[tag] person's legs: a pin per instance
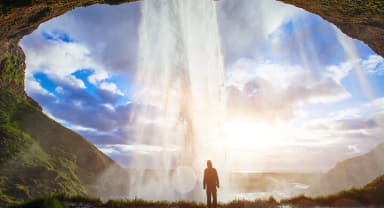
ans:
(209, 194)
(214, 194)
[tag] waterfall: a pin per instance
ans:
(181, 99)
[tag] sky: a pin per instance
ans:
(299, 91)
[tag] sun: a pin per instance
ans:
(250, 135)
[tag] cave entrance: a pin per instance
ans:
(295, 85)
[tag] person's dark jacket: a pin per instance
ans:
(211, 179)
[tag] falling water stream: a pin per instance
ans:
(181, 102)
(181, 92)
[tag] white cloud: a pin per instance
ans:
(82, 128)
(140, 148)
(349, 113)
(339, 72)
(281, 13)
(377, 104)
(111, 87)
(270, 84)
(109, 107)
(374, 64)
(58, 60)
(98, 76)
(108, 150)
(33, 87)
(109, 32)
(362, 118)
(353, 149)
(246, 25)
(62, 121)
(59, 90)
(322, 86)
(272, 90)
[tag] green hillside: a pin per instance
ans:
(370, 194)
(38, 156)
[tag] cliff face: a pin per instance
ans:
(12, 67)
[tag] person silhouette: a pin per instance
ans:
(210, 182)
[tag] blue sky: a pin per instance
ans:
(286, 69)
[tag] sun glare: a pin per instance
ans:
(250, 135)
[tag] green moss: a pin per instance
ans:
(52, 203)
(4, 118)
(23, 188)
(357, 7)
(10, 71)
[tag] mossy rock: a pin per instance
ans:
(10, 71)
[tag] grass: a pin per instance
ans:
(47, 202)
(93, 202)
(370, 195)
(84, 201)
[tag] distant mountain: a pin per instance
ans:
(355, 172)
(367, 196)
(38, 156)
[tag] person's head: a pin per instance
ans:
(209, 163)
